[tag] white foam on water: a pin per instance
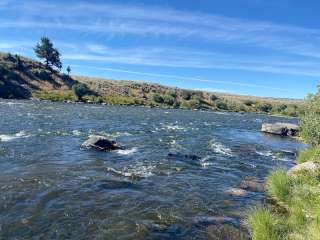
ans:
(205, 163)
(221, 113)
(134, 171)
(220, 148)
(175, 127)
(274, 156)
(265, 153)
(111, 135)
(11, 137)
(76, 132)
(127, 151)
(13, 103)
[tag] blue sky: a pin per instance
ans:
(257, 47)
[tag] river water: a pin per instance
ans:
(175, 170)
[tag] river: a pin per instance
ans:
(176, 168)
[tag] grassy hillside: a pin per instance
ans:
(158, 95)
(21, 77)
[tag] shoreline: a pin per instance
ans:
(148, 106)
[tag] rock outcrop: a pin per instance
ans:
(100, 143)
(281, 129)
(307, 166)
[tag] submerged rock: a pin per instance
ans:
(252, 184)
(307, 166)
(100, 143)
(184, 156)
(226, 232)
(215, 220)
(281, 129)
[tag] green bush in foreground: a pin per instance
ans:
(265, 225)
(298, 208)
(278, 185)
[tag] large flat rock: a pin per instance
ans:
(281, 129)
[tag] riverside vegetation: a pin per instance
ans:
(294, 213)
(22, 78)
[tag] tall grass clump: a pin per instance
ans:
(309, 154)
(265, 225)
(278, 185)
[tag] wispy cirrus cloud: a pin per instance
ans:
(178, 58)
(110, 18)
(188, 58)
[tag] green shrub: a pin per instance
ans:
(123, 100)
(310, 121)
(278, 185)
(264, 107)
(93, 99)
(265, 225)
(248, 102)
(55, 95)
(213, 98)
(158, 98)
(172, 93)
(197, 95)
(281, 107)
(192, 104)
(309, 154)
(169, 100)
(80, 90)
(186, 95)
(221, 105)
(176, 104)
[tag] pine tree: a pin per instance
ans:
(45, 50)
(68, 70)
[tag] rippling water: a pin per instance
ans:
(50, 189)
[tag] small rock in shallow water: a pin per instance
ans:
(225, 232)
(215, 220)
(100, 143)
(252, 184)
(236, 192)
(184, 156)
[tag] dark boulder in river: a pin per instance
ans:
(282, 129)
(100, 143)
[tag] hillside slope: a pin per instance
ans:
(20, 77)
(24, 78)
(146, 93)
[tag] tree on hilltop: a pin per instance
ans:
(45, 50)
(68, 70)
